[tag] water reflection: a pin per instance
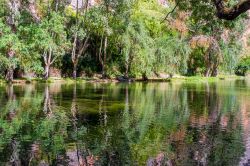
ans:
(125, 124)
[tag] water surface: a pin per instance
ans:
(125, 124)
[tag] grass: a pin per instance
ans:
(2, 81)
(197, 79)
(191, 79)
(194, 79)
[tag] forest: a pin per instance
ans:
(123, 38)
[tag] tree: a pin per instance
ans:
(150, 46)
(213, 29)
(211, 53)
(80, 35)
(50, 39)
(9, 50)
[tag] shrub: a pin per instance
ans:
(243, 67)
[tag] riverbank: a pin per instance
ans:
(191, 79)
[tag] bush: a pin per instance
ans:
(243, 67)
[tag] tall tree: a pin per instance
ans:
(51, 40)
(80, 35)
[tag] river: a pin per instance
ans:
(173, 123)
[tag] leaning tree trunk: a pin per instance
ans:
(76, 53)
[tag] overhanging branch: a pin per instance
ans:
(231, 13)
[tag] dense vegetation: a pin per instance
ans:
(243, 67)
(130, 38)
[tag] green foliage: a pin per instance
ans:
(243, 67)
(9, 44)
(51, 34)
(203, 21)
(149, 45)
(139, 42)
(196, 64)
(231, 52)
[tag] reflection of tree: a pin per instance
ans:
(103, 140)
(245, 114)
(156, 123)
(74, 107)
(102, 109)
(47, 108)
(52, 130)
(34, 153)
(12, 105)
(15, 121)
(213, 132)
(29, 138)
(76, 157)
(14, 160)
(156, 111)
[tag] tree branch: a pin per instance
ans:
(171, 11)
(84, 47)
(231, 13)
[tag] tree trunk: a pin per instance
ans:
(48, 61)
(74, 70)
(46, 75)
(214, 72)
(127, 70)
(10, 71)
(74, 56)
(144, 77)
(57, 5)
(9, 75)
(100, 53)
(128, 64)
(104, 58)
(207, 72)
(77, 52)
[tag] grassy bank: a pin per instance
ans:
(192, 79)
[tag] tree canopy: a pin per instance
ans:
(130, 38)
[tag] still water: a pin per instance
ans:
(125, 124)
